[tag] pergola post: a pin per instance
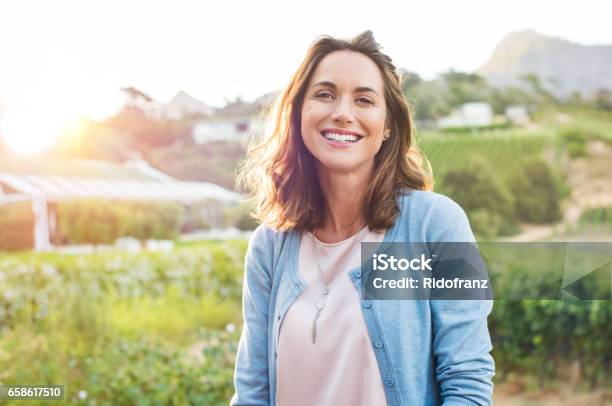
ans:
(41, 224)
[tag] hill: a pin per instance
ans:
(562, 66)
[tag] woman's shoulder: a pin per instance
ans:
(267, 241)
(264, 236)
(422, 200)
(437, 216)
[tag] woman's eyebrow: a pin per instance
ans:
(357, 89)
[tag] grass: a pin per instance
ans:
(593, 123)
(172, 318)
(120, 327)
(505, 150)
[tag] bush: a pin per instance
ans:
(487, 202)
(122, 327)
(246, 222)
(240, 217)
(195, 218)
(117, 326)
(596, 219)
(485, 223)
(536, 195)
(16, 226)
(204, 214)
(101, 222)
(575, 141)
(142, 372)
(476, 129)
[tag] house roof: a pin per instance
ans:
(67, 180)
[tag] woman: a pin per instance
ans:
(339, 168)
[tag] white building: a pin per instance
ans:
(475, 114)
(233, 122)
(517, 114)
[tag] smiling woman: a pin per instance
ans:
(340, 167)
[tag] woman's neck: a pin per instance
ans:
(344, 195)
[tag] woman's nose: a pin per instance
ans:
(343, 111)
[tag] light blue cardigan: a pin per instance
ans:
(428, 352)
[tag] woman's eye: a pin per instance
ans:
(323, 95)
(364, 100)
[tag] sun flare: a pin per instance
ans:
(30, 129)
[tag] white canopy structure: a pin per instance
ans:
(53, 182)
(58, 188)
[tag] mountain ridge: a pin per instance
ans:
(564, 67)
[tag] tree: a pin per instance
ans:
(409, 80)
(535, 84)
(603, 99)
(536, 193)
(487, 202)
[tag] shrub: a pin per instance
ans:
(597, 215)
(536, 195)
(239, 217)
(196, 217)
(485, 223)
(246, 222)
(486, 200)
(16, 226)
(122, 327)
(100, 221)
(476, 129)
(575, 141)
(89, 221)
(204, 214)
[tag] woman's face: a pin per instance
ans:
(344, 111)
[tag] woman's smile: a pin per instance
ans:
(340, 138)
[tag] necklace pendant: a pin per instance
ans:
(314, 327)
(321, 303)
(325, 290)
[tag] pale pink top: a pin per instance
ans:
(340, 368)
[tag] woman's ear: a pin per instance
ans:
(386, 134)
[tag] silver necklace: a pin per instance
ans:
(326, 288)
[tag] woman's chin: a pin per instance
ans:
(340, 165)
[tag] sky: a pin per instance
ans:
(75, 55)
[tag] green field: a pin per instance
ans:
(162, 328)
(142, 329)
(592, 123)
(505, 150)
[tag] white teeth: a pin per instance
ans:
(341, 137)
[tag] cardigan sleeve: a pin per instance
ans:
(461, 343)
(251, 380)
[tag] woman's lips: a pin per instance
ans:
(341, 144)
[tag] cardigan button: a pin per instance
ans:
(367, 304)
(378, 344)
(389, 382)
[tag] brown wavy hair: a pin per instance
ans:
(279, 172)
